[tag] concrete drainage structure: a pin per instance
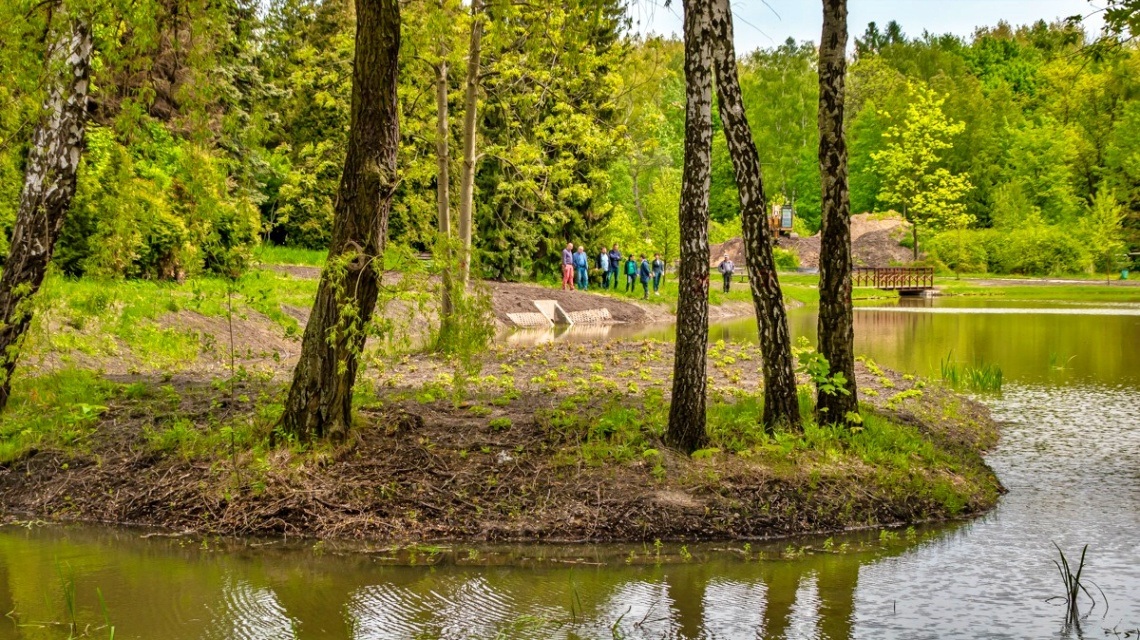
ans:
(552, 313)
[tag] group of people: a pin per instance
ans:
(576, 270)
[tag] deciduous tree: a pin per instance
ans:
(836, 324)
(49, 185)
(319, 404)
(781, 401)
(687, 419)
(910, 165)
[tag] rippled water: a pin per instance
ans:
(1070, 456)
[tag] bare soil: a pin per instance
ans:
(423, 467)
(874, 243)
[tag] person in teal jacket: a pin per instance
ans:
(630, 273)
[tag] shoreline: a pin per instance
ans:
(539, 459)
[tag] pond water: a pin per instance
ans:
(1070, 457)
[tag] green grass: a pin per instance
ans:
(894, 457)
(273, 254)
(113, 318)
(55, 411)
(1092, 291)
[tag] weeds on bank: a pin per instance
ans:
(98, 318)
(983, 378)
(56, 411)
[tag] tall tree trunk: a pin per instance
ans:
(470, 105)
(686, 429)
(836, 330)
(319, 404)
(914, 240)
(49, 185)
(443, 192)
(781, 401)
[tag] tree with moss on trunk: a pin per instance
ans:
(319, 404)
(49, 185)
(837, 400)
(687, 419)
(781, 401)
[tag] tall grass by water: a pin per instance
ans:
(980, 378)
(1074, 583)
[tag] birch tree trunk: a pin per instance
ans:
(319, 404)
(836, 330)
(443, 191)
(470, 105)
(781, 401)
(686, 430)
(49, 185)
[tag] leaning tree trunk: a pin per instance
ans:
(470, 105)
(443, 193)
(319, 404)
(686, 429)
(781, 401)
(49, 185)
(836, 331)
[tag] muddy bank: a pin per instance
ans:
(553, 443)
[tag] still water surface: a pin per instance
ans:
(1070, 456)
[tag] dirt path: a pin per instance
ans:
(1037, 282)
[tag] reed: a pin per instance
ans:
(1074, 584)
(981, 378)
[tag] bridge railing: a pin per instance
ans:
(894, 277)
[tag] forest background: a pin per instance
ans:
(220, 127)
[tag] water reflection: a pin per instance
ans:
(178, 589)
(1070, 456)
(1030, 341)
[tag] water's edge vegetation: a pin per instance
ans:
(552, 442)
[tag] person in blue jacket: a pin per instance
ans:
(658, 273)
(615, 265)
(582, 268)
(643, 272)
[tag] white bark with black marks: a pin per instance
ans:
(781, 402)
(836, 326)
(49, 186)
(687, 419)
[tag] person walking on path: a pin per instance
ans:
(568, 267)
(615, 265)
(658, 273)
(630, 273)
(582, 266)
(604, 265)
(643, 272)
(726, 269)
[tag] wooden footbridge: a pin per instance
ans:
(905, 280)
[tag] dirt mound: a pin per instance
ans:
(879, 249)
(874, 243)
(516, 297)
